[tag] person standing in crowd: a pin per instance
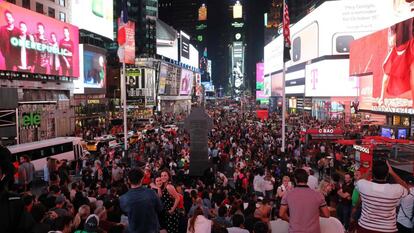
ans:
(258, 183)
(8, 51)
(42, 57)
(405, 215)
(302, 206)
(238, 224)
(26, 173)
(312, 180)
(284, 187)
(344, 207)
(170, 199)
(141, 205)
(379, 192)
(198, 223)
(66, 60)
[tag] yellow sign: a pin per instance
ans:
(93, 101)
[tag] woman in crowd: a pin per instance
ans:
(170, 199)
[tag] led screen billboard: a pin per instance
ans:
(238, 64)
(87, 14)
(34, 43)
(329, 78)
(93, 66)
(185, 46)
(387, 55)
(186, 83)
(277, 84)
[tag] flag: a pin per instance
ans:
(286, 32)
(123, 19)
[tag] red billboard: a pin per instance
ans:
(34, 43)
(384, 61)
(126, 41)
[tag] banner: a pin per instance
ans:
(186, 82)
(126, 36)
(34, 43)
(163, 79)
(385, 59)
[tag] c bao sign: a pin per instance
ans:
(31, 120)
(326, 131)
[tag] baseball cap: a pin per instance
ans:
(92, 223)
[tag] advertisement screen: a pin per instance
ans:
(172, 80)
(387, 132)
(87, 14)
(93, 66)
(185, 45)
(277, 84)
(238, 64)
(267, 86)
(186, 82)
(34, 43)
(259, 72)
(202, 13)
(402, 133)
(330, 78)
(163, 79)
(388, 55)
(193, 59)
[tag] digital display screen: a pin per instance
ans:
(34, 43)
(402, 133)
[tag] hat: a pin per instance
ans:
(92, 223)
(60, 199)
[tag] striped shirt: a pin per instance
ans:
(379, 202)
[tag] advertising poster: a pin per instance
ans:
(276, 84)
(92, 78)
(126, 37)
(387, 55)
(34, 43)
(186, 82)
(199, 87)
(267, 87)
(133, 85)
(163, 79)
(259, 76)
(185, 45)
(238, 64)
(329, 78)
(87, 14)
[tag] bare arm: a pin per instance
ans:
(283, 213)
(324, 212)
(171, 190)
(397, 178)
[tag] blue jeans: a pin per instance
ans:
(343, 211)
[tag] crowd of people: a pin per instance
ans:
(251, 186)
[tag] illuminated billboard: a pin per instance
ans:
(93, 76)
(193, 59)
(202, 13)
(331, 27)
(88, 14)
(277, 84)
(34, 43)
(329, 78)
(237, 10)
(384, 60)
(186, 83)
(185, 45)
(238, 64)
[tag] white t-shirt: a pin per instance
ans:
(379, 202)
(237, 230)
(406, 209)
(313, 182)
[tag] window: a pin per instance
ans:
(51, 12)
(26, 4)
(62, 16)
(62, 2)
(39, 8)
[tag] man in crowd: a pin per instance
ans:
(380, 199)
(405, 215)
(304, 206)
(345, 203)
(142, 205)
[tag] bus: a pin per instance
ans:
(68, 148)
